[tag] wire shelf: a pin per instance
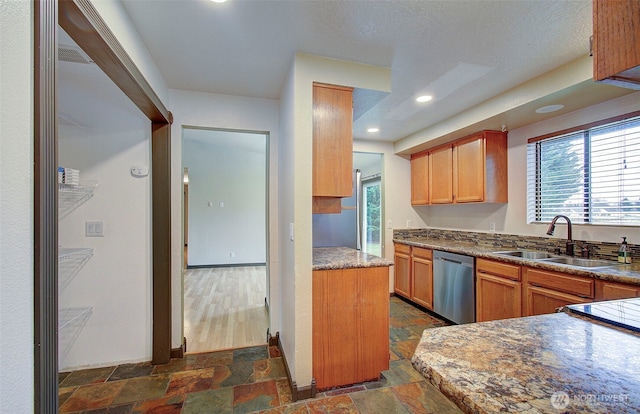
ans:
(70, 261)
(70, 323)
(71, 197)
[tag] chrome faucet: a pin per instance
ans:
(552, 227)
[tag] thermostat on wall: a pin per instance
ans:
(139, 171)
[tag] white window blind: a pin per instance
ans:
(591, 176)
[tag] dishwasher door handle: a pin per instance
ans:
(444, 259)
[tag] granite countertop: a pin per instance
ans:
(622, 273)
(540, 364)
(333, 258)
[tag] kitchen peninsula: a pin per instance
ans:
(350, 316)
(541, 364)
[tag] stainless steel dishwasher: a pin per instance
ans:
(454, 287)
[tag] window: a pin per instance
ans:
(591, 175)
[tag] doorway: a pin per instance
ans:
(225, 228)
(372, 205)
(370, 165)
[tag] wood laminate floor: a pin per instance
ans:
(224, 308)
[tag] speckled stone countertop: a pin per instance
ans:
(332, 258)
(622, 273)
(553, 363)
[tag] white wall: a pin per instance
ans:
(226, 112)
(229, 168)
(396, 193)
(511, 218)
(118, 21)
(116, 282)
(16, 208)
(296, 170)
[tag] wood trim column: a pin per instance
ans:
(45, 206)
(161, 222)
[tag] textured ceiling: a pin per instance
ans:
(463, 52)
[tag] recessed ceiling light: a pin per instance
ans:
(424, 98)
(373, 129)
(549, 108)
(219, 1)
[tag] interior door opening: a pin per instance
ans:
(226, 238)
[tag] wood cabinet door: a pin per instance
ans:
(441, 175)
(332, 140)
(541, 301)
(606, 290)
(616, 50)
(469, 170)
(420, 179)
(497, 298)
(350, 325)
(402, 274)
(422, 280)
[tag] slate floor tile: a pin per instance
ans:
(341, 404)
(297, 408)
(255, 397)
(232, 375)
(382, 400)
(252, 353)
(127, 371)
(143, 388)
(209, 359)
(190, 381)
(64, 393)
(284, 391)
(422, 397)
(166, 405)
(92, 396)
(87, 376)
(272, 368)
(219, 401)
(401, 372)
(115, 409)
(405, 349)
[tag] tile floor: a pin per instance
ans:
(253, 380)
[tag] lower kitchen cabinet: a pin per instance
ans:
(402, 270)
(606, 290)
(545, 291)
(422, 276)
(498, 291)
(413, 274)
(350, 325)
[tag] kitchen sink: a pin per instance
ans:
(579, 262)
(528, 254)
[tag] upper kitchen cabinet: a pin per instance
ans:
(332, 146)
(441, 175)
(470, 170)
(616, 42)
(420, 179)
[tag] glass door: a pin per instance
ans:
(372, 237)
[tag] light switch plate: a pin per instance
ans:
(93, 229)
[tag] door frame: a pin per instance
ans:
(267, 137)
(87, 28)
